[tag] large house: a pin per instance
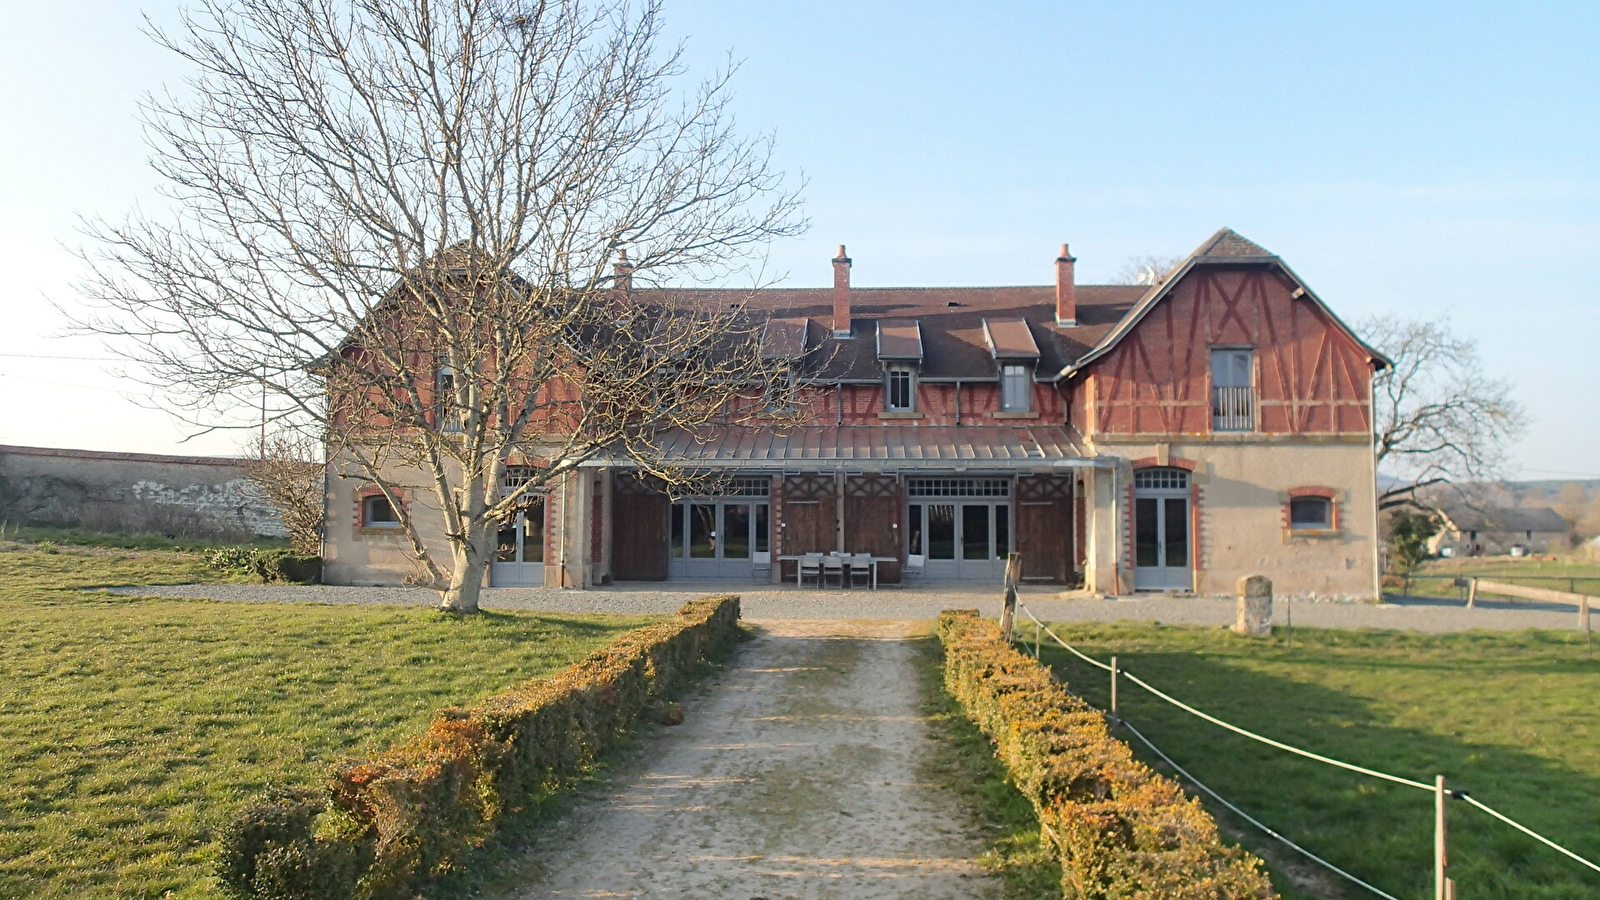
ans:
(1164, 437)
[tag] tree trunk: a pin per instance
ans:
(469, 558)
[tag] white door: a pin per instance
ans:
(961, 540)
(1162, 545)
(519, 551)
(712, 538)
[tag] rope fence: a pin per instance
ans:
(1445, 887)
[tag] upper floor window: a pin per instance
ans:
(1016, 388)
(1233, 406)
(902, 389)
(445, 415)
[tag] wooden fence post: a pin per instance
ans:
(1472, 592)
(1114, 672)
(1441, 856)
(1008, 611)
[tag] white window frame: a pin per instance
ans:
(446, 417)
(1233, 406)
(910, 373)
(1016, 387)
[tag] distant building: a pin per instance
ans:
(1497, 531)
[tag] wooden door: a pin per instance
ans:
(638, 532)
(809, 524)
(872, 520)
(1044, 528)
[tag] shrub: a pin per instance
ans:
(386, 823)
(271, 566)
(47, 547)
(1121, 830)
(231, 559)
(286, 567)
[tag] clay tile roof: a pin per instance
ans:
(1010, 339)
(900, 340)
(1227, 243)
(783, 338)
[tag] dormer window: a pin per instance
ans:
(901, 395)
(1016, 388)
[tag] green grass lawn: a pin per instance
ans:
(1436, 577)
(1510, 717)
(131, 729)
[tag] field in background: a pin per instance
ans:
(131, 729)
(1436, 577)
(1510, 717)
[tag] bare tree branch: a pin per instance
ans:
(401, 220)
(1439, 420)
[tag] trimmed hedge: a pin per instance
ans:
(386, 823)
(1119, 829)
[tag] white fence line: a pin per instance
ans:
(1254, 821)
(1460, 795)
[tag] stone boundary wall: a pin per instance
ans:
(187, 496)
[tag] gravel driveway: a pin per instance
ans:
(793, 776)
(1405, 613)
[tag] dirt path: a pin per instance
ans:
(793, 777)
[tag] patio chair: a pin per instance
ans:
(912, 568)
(761, 566)
(833, 568)
(810, 566)
(861, 570)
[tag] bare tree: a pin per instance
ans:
(406, 221)
(1145, 269)
(286, 467)
(1439, 420)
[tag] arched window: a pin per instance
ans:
(1311, 513)
(378, 512)
(1312, 509)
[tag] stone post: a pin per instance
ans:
(1254, 612)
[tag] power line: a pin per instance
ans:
(76, 358)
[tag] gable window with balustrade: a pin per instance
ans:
(1233, 401)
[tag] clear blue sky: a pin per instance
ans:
(1432, 159)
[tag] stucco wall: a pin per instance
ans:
(1243, 489)
(357, 555)
(191, 496)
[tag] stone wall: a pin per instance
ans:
(188, 496)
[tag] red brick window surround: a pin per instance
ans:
(375, 511)
(1311, 509)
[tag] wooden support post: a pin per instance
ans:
(1441, 858)
(1583, 622)
(1114, 672)
(1038, 632)
(1288, 624)
(1472, 592)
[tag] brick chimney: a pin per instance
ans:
(1066, 290)
(622, 273)
(841, 294)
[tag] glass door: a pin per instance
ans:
(964, 540)
(519, 550)
(712, 539)
(1161, 540)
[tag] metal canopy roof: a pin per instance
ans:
(876, 447)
